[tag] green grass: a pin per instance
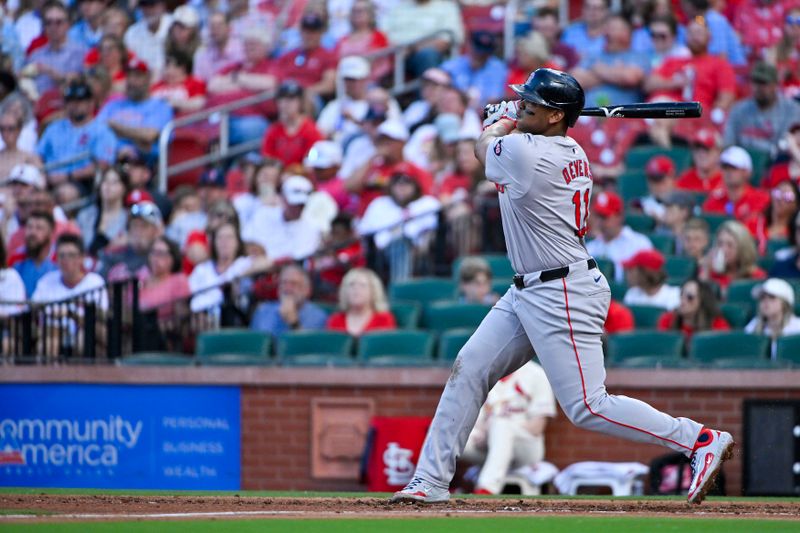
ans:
(549, 524)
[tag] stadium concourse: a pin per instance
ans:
(293, 184)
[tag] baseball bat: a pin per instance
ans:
(647, 110)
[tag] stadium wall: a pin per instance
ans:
(284, 412)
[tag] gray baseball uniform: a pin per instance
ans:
(545, 186)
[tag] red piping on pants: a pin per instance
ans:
(583, 384)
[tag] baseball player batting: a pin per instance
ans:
(559, 300)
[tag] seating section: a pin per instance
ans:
(439, 316)
(637, 157)
(156, 359)
(396, 348)
(318, 343)
(423, 290)
(733, 348)
(219, 347)
(788, 350)
(646, 316)
(450, 342)
(406, 314)
(647, 348)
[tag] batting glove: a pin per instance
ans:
(494, 113)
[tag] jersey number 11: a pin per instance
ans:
(581, 214)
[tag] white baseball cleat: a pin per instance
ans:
(419, 490)
(711, 450)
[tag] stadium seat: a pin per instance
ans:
(396, 348)
(663, 243)
(438, 316)
(423, 290)
(233, 341)
(406, 314)
(708, 346)
(501, 286)
(314, 343)
(328, 307)
(741, 292)
(319, 360)
(451, 341)
(640, 222)
(234, 359)
(654, 361)
(632, 185)
(646, 316)
(156, 359)
(656, 346)
(680, 268)
(761, 161)
(765, 263)
(746, 363)
(606, 266)
(498, 263)
(773, 245)
(638, 156)
(618, 290)
(714, 221)
(736, 314)
(788, 350)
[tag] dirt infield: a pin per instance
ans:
(50, 507)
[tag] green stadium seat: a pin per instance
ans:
(708, 346)
(680, 268)
(663, 243)
(788, 350)
(736, 314)
(328, 307)
(740, 292)
(156, 359)
(656, 346)
(314, 343)
(638, 156)
(498, 263)
(640, 222)
(714, 221)
(765, 263)
(396, 348)
(618, 289)
(406, 314)
(646, 316)
(241, 341)
(699, 197)
(319, 360)
(235, 359)
(501, 286)
(654, 361)
(423, 290)
(606, 266)
(736, 363)
(773, 245)
(632, 185)
(439, 316)
(761, 161)
(451, 341)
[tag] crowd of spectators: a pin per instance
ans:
(86, 88)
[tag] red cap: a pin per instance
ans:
(647, 259)
(706, 137)
(136, 196)
(137, 65)
(659, 165)
(607, 204)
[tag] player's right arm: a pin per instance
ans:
(500, 128)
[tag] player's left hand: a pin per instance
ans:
(493, 113)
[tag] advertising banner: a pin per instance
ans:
(120, 436)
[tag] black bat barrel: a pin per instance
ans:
(647, 110)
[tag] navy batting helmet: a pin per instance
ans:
(555, 89)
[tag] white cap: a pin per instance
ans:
(187, 16)
(296, 190)
(27, 174)
(324, 154)
(777, 288)
(354, 67)
(394, 129)
(736, 157)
